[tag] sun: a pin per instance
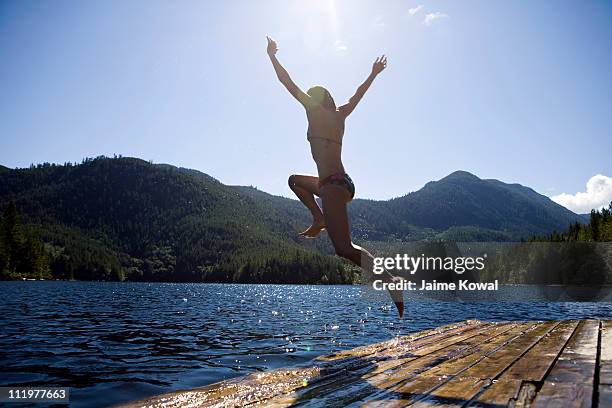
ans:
(322, 17)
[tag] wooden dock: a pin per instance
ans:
(471, 363)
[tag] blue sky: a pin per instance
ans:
(518, 91)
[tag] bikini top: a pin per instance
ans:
(309, 138)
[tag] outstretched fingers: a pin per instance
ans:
(379, 64)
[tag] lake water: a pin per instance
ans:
(115, 342)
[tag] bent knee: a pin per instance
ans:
(292, 180)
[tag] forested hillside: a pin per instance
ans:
(582, 254)
(116, 219)
(125, 218)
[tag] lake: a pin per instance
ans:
(115, 342)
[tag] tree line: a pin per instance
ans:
(22, 253)
(598, 229)
(59, 252)
(578, 256)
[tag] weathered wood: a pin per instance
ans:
(534, 365)
(470, 363)
(469, 382)
(353, 387)
(494, 364)
(413, 340)
(405, 393)
(237, 392)
(455, 366)
(564, 395)
(456, 392)
(605, 368)
(500, 392)
(412, 389)
(576, 364)
(390, 384)
(572, 376)
(605, 395)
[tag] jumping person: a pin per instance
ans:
(333, 185)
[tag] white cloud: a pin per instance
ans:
(340, 45)
(431, 17)
(416, 9)
(598, 194)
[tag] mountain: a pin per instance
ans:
(461, 201)
(127, 218)
(116, 218)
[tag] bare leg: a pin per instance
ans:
(336, 220)
(305, 188)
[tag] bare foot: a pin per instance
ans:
(398, 295)
(400, 309)
(314, 230)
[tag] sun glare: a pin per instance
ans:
(322, 27)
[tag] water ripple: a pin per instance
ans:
(113, 342)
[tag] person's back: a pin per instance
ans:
(325, 132)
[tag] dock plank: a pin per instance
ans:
(471, 363)
(414, 341)
(534, 365)
(564, 395)
(494, 364)
(412, 389)
(456, 392)
(455, 366)
(499, 393)
(395, 386)
(605, 369)
(576, 363)
(464, 386)
(572, 376)
(605, 395)
(354, 387)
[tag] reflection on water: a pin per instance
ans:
(114, 342)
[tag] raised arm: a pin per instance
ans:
(379, 65)
(283, 76)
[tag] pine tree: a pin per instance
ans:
(595, 224)
(3, 254)
(12, 236)
(33, 260)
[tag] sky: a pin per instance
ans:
(517, 91)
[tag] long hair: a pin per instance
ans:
(322, 96)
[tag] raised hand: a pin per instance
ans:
(272, 47)
(379, 65)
